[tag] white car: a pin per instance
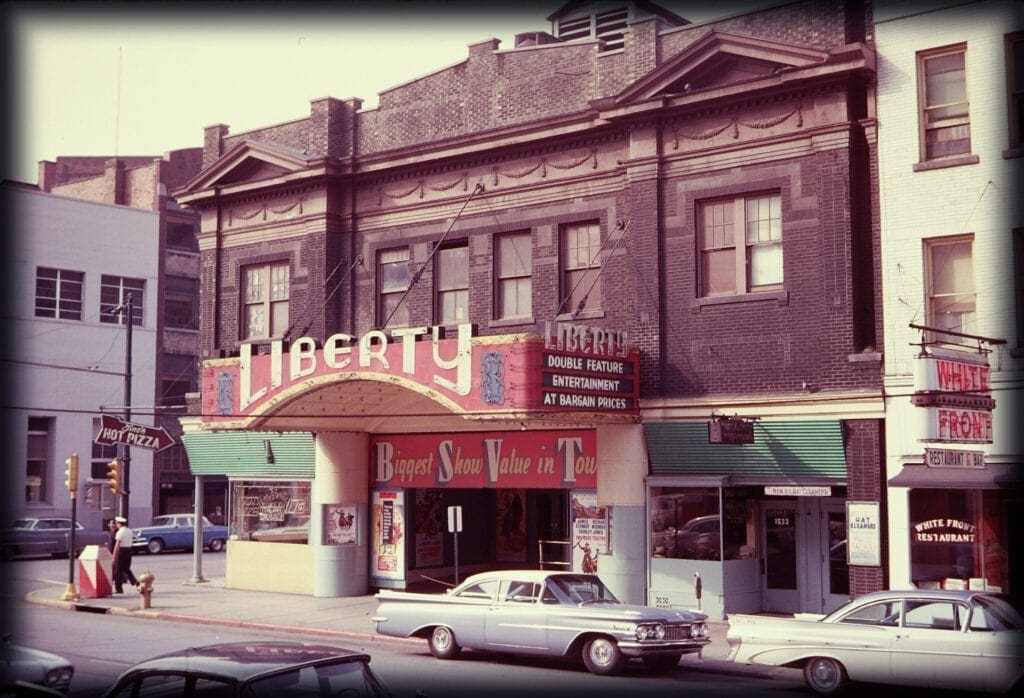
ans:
(23, 667)
(961, 640)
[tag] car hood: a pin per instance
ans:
(16, 654)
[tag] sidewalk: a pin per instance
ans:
(345, 618)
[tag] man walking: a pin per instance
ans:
(123, 555)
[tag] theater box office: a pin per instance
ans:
(353, 449)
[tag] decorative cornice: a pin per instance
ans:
(735, 122)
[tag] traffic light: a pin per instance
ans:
(114, 475)
(72, 472)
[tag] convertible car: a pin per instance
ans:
(546, 613)
(961, 640)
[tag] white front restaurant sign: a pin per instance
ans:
(954, 388)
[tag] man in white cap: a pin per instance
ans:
(123, 555)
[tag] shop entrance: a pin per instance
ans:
(803, 563)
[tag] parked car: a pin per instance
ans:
(23, 665)
(46, 536)
(177, 531)
(253, 670)
(961, 640)
(541, 612)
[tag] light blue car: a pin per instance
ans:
(177, 531)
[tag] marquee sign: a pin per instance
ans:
(572, 368)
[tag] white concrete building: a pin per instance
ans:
(952, 245)
(63, 350)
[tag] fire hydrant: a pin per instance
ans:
(145, 587)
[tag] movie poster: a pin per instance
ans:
(430, 526)
(339, 524)
(388, 534)
(589, 531)
(512, 525)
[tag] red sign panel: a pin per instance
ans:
(114, 430)
(507, 459)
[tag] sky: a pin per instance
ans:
(144, 79)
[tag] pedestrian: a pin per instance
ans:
(123, 555)
(111, 535)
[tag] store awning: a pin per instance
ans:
(250, 454)
(790, 451)
(991, 477)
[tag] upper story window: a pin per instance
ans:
(949, 278)
(942, 91)
(59, 293)
(392, 283)
(265, 291)
(181, 302)
(37, 466)
(451, 279)
(1015, 87)
(114, 292)
(101, 455)
(609, 26)
(181, 236)
(581, 268)
(741, 245)
(513, 273)
(178, 378)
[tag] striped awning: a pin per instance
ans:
(250, 454)
(784, 450)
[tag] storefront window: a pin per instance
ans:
(269, 511)
(739, 532)
(685, 523)
(956, 539)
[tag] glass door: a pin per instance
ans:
(779, 559)
(836, 575)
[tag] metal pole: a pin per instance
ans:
(456, 558)
(197, 537)
(123, 506)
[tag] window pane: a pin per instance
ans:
(765, 265)
(453, 269)
(514, 256)
(581, 280)
(253, 285)
(279, 276)
(719, 272)
(514, 267)
(255, 321)
(279, 318)
(951, 301)
(945, 80)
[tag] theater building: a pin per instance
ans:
(609, 298)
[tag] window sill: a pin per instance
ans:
(942, 163)
(1011, 153)
(585, 315)
(782, 297)
(511, 322)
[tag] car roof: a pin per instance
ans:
(520, 575)
(242, 661)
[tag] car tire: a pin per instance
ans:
(825, 676)
(602, 656)
(216, 545)
(442, 643)
(662, 662)
(155, 546)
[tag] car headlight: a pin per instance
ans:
(59, 676)
(699, 630)
(650, 631)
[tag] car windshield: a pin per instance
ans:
(583, 589)
(338, 679)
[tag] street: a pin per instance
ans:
(101, 646)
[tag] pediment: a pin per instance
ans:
(717, 60)
(249, 162)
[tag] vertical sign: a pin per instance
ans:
(863, 534)
(388, 535)
(589, 531)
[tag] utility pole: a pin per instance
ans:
(126, 458)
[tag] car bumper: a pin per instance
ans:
(634, 648)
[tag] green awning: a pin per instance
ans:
(784, 450)
(250, 454)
